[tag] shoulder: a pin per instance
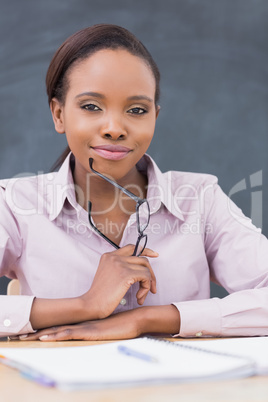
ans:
(178, 178)
(196, 180)
(25, 192)
(183, 193)
(28, 183)
(191, 193)
(189, 185)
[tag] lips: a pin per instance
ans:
(112, 152)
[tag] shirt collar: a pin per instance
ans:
(63, 188)
(159, 188)
(160, 191)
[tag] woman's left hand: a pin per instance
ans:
(118, 326)
(126, 325)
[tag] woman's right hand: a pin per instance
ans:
(117, 271)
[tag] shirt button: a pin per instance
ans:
(7, 323)
(198, 334)
(123, 302)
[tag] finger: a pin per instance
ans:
(49, 334)
(14, 338)
(141, 300)
(153, 278)
(29, 337)
(129, 250)
(82, 331)
(137, 264)
(142, 275)
(35, 336)
(60, 335)
(141, 297)
(147, 252)
(146, 263)
(143, 291)
(125, 250)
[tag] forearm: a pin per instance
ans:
(50, 312)
(159, 319)
(125, 325)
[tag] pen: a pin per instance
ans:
(131, 352)
(27, 373)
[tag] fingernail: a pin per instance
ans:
(23, 337)
(43, 337)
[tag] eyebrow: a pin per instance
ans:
(94, 94)
(140, 97)
(100, 96)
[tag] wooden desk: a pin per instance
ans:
(15, 388)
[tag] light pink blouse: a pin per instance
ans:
(200, 235)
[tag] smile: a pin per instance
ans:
(112, 152)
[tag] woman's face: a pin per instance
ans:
(109, 112)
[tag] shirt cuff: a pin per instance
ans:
(199, 318)
(15, 315)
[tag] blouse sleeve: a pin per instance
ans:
(14, 310)
(237, 254)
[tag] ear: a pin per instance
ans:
(56, 108)
(157, 111)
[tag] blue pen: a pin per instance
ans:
(134, 353)
(28, 373)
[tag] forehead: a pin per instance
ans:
(108, 71)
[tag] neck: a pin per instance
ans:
(103, 195)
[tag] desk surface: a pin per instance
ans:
(15, 388)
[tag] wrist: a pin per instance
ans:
(159, 319)
(87, 308)
(53, 312)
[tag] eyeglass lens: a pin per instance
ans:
(143, 216)
(140, 245)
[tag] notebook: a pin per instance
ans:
(132, 362)
(254, 348)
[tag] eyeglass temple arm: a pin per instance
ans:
(127, 192)
(96, 229)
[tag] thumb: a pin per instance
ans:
(147, 252)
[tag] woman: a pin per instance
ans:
(74, 239)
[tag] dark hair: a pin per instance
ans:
(83, 44)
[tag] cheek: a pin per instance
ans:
(147, 132)
(79, 130)
(76, 125)
(145, 140)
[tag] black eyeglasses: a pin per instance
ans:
(142, 215)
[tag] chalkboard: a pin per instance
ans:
(213, 57)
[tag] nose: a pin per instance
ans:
(113, 128)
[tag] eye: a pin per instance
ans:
(137, 110)
(91, 107)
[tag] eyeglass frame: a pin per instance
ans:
(139, 202)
